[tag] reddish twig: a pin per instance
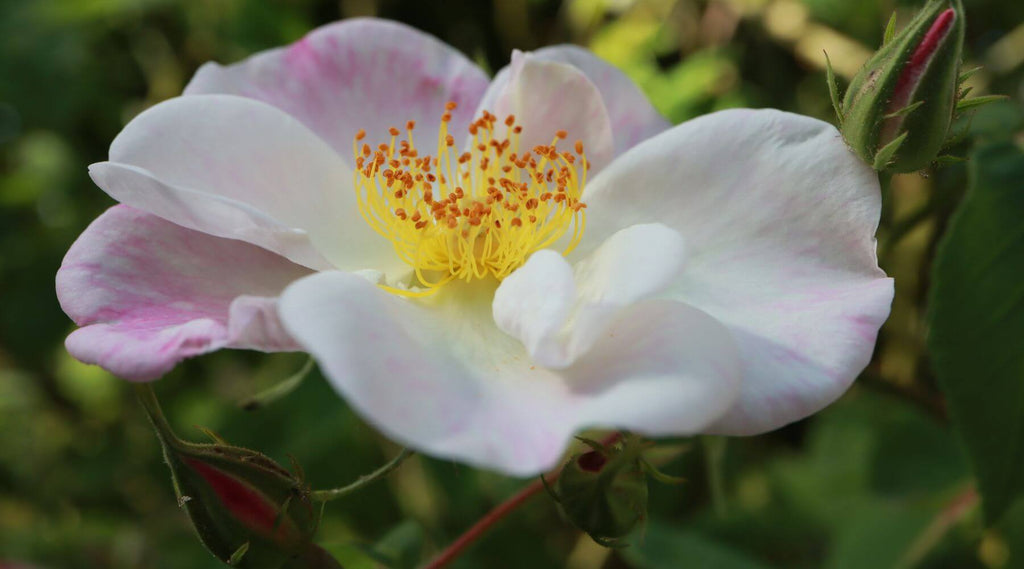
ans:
(961, 505)
(458, 546)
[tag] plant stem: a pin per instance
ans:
(904, 226)
(714, 448)
(362, 481)
(481, 526)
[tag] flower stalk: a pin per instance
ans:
(459, 546)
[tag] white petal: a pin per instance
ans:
(558, 312)
(357, 74)
(779, 220)
(440, 376)
(239, 150)
(533, 303)
(548, 96)
(633, 117)
(661, 368)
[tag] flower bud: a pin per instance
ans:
(248, 510)
(898, 109)
(604, 491)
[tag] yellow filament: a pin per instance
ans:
(477, 214)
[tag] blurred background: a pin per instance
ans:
(877, 480)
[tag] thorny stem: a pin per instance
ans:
(499, 512)
(362, 481)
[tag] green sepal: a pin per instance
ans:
(658, 475)
(833, 90)
(967, 104)
(210, 434)
(967, 74)
(236, 557)
(885, 156)
(890, 29)
(947, 159)
(905, 110)
(280, 389)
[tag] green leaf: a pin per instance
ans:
(878, 536)
(666, 546)
(977, 323)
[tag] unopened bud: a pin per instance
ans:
(248, 510)
(897, 112)
(604, 491)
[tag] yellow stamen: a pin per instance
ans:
(471, 215)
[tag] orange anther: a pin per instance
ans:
(562, 134)
(450, 106)
(394, 131)
(360, 134)
(579, 147)
(410, 125)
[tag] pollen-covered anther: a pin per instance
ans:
(475, 214)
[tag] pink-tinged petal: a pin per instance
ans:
(148, 293)
(548, 96)
(560, 311)
(357, 74)
(779, 220)
(633, 117)
(439, 376)
(209, 213)
(194, 160)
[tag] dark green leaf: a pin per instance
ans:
(664, 546)
(977, 324)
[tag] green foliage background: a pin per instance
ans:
(880, 479)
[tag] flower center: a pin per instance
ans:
(475, 214)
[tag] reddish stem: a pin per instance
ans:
(494, 516)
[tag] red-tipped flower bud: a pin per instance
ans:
(898, 109)
(248, 510)
(604, 491)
